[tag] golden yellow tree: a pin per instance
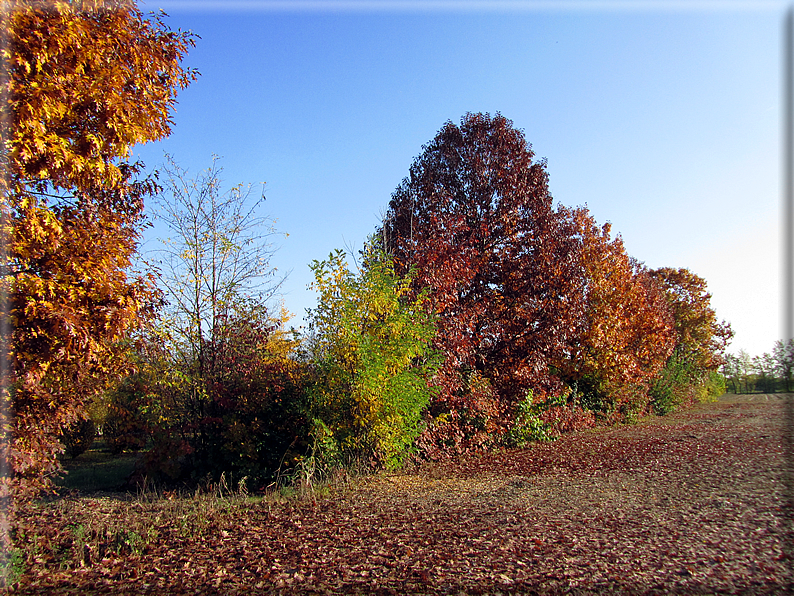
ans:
(84, 82)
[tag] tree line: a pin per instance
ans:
(479, 314)
(768, 373)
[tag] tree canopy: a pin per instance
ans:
(700, 338)
(476, 219)
(627, 335)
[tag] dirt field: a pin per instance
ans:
(692, 503)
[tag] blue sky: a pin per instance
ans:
(664, 120)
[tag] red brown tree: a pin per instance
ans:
(477, 220)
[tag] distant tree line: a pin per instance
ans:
(479, 315)
(767, 373)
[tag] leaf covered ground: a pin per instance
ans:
(695, 503)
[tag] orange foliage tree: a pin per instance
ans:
(700, 340)
(85, 81)
(628, 333)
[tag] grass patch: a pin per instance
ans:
(97, 469)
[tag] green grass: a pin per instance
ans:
(97, 469)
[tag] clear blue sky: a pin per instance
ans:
(665, 121)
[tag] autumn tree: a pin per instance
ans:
(476, 220)
(783, 354)
(216, 256)
(628, 332)
(699, 336)
(700, 339)
(220, 342)
(85, 82)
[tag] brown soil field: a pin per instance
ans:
(697, 502)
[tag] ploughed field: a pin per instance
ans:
(694, 503)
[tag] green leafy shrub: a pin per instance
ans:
(78, 437)
(713, 386)
(682, 382)
(372, 359)
(607, 403)
(125, 427)
(529, 426)
(593, 395)
(669, 389)
(12, 566)
(323, 458)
